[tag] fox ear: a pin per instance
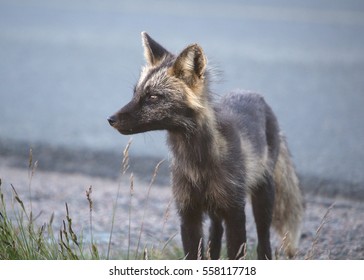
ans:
(153, 52)
(190, 65)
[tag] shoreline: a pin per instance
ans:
(108, 164)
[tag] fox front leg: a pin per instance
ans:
(192, 232)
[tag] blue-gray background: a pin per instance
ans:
(65, 66)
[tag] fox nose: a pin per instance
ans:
(111, 120)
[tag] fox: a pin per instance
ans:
(224, 152)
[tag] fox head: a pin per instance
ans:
(170, 92)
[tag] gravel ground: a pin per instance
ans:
(339, 222)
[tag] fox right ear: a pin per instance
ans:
(190, 65)
(153, 52)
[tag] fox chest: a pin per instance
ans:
(211, 191)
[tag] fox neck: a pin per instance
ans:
(201, 147)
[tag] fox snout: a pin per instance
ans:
(123, 120)
(120, 123)
(123, 127)
(112, 120)
(117, 121)
(128, 120)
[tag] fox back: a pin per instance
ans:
(222, 152)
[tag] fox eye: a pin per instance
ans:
(152, 97)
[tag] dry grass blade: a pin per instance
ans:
(145, 255)
(146, 204)
(94, 251)
(90, 205)
(311, 253)
(200, 250)
(125, 166)
(64, 244)
(88, 196)
(168, 241)
(32, 166)
(130, 207)
(281, 251)
(208, 251)
(165, 220)
(70, 229)
(17, 198)
(243, 249)
(125, 162)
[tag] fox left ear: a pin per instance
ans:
(190, 65)
(153, 52)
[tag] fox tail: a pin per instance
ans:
(288, 208)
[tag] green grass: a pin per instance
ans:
(24, 237)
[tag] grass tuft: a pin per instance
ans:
(23, 237)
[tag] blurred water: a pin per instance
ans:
(65, 66)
